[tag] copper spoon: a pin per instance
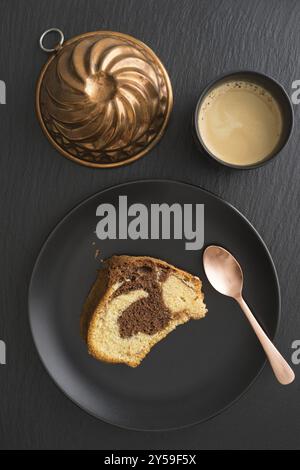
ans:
(226, 276)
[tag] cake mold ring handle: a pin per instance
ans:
(58, 44)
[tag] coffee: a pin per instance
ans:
(240, 122)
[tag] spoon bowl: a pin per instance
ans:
(223, 271)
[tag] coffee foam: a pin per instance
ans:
(240, 122)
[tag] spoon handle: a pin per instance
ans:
(282, 370)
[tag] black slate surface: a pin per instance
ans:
(196, 40)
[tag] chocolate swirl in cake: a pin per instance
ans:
(147, 315)
(104, 97)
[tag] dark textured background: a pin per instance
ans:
(196, 40)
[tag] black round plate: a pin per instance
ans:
(199, 369)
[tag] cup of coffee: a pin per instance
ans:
(243, 119)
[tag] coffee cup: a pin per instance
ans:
(243, 119)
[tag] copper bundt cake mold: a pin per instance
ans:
(104, 99)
